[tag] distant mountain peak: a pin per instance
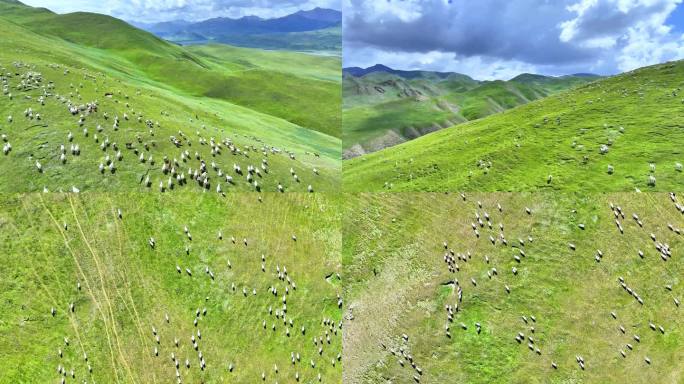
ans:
(380, 67)
(585, 75)
(248, 17)
(358, 71)
(218, 27)
(320, 12)
(408, 74)
(528, 77)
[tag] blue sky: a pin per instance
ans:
(498, 39)
(150, 11)
(676, 20)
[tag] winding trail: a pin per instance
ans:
(104, 290)
(87, 284)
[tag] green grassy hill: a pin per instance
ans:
(382, 109)
(62, 249)
(176, 67)
(104, 32)
(304, 88)
(615, 134)
(398, 286)
(162, 89)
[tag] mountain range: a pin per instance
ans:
(360, 72)
(315, 29)
(383, 107)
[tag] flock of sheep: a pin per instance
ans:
(124, 140)
(468, 271)
(124, 136)
(588, 139)
(182, 352)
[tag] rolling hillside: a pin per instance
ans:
(445, 289)
(145, 108)
(304, 89)
(383, 107)
(136, 288)
(615, 134)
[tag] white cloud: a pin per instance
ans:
(478, 67)
(647, 45)
(404, 10)
(636, 30)
(72, 6)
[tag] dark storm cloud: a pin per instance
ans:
(554, 36)
(524, 30)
